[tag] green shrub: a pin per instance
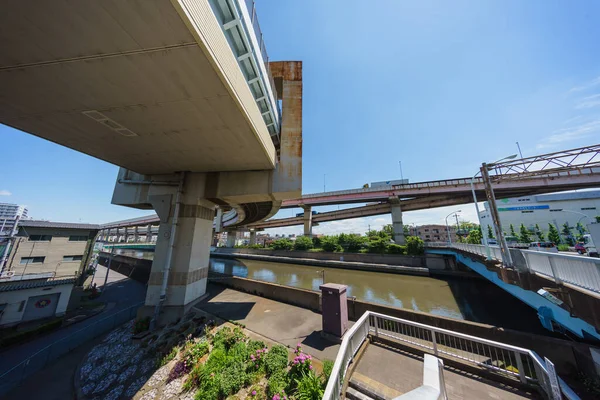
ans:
(303, 243)
(209, 387)
(226, 337)
(377, 244)
(277, 384)
(257, 392)
(329, 243)
(232, 379)
(282, 244)
(255, 246)
(327, 368)
(217, 360)
(238, 353)
(254, 345)
(194, 378)
(309, 387)
(563, 247)
(276, 359)
(414, 246)
(354, 242)
(141, 325)
(316, 242)
(23, 336)
(396, 249)
(194, 351)
(168, 357)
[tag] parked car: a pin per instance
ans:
(580, 248)
(543, 246)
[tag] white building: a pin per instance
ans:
(9, 213)
(35, 296)
(544, 209)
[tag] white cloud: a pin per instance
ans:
(5, 193)
(569, 134)
(586, 86)
(589, 102)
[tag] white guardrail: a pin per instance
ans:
(579, 271)
(499, 358)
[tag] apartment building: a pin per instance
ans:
(60, 248)
(433, 233)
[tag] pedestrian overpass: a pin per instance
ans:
(564, 289)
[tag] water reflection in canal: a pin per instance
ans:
(473, 300)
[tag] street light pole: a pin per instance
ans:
(401, 175)
(448, 228)
(485, 241)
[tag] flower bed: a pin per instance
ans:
(226, 364)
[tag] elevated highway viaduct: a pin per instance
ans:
(181, 95)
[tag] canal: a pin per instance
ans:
(469, 299)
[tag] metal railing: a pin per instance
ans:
(579, 271)
(15, 375)
(498, 358)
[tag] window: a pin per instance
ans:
(32, 260)
(40, 238)
(556, 209)
(524, 199)
(526, 212)
(436, 231)
(76, 238)
(426, 230)
(427, 236)
(588, 208)
(72, 258)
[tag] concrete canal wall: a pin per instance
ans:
(389, 263)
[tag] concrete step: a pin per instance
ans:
(370, 388)
(353, 394)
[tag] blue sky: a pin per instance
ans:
(441, 86)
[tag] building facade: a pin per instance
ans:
(30, 297)
(60, 248)
(433, 233)
(9, 215)
(543, 209)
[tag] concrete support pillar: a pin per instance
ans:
(308, 221)
(219, 221)
(231, 237)
(149, 233)
(252, 238)
(397, 225)
(188, 273)
(136, 234)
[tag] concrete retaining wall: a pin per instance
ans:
(391, 259)
(421, 265)
(567, 356)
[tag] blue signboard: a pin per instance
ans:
(521, 208)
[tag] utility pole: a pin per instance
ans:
(401, 175)
(489, 192)
(324, 175)
(457, 225)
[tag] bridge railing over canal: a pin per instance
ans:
(498, 358)
(579, 271)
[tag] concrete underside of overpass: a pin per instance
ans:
(138, 84)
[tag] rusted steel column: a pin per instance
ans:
(287, 76)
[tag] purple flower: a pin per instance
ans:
(310, 367)
(254, 393)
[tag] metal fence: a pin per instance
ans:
(14, 376)
(498, 358)
(579, 271)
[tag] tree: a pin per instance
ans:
(566, 232)
(415, 246)
(475, 236)
(512, 230)
(388, 230)
(539, 233)
(553, 235)
(524, 234)
(303, 243)
(283, 244)
(490, 233)
(329, 243)
(581, 230)
(406, 230)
